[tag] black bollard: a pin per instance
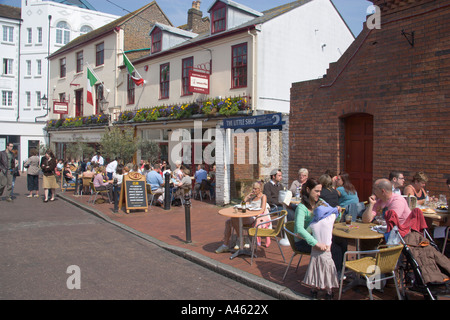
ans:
(187, 215)
(76, 192)
(167, 191)
(115, 196)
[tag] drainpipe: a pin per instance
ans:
(48, 69)
(18, 75)
(254, 60)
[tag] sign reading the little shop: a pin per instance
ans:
(134, 192)
(263, 121)
(198, 82)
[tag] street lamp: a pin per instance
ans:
(44, 101)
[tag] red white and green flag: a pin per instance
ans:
(131, 69)
(91, 80)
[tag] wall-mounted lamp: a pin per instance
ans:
(44, 101)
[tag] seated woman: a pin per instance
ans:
(328, 193)
(99, 184)
(416, 188)
(346, 190)
(88, 173)
(256, 199)
(67, 173)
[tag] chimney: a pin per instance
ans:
(194, 16)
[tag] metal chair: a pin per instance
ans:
(289, 230)
(273, 233)
(96, 192)
(151, 194)
(374, 269)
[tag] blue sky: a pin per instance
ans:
(353, 11)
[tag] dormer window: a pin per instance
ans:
(218, 18)
(156, 40)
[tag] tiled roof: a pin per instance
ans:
(94, 34)
(10, 12)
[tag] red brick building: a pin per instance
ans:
(384, 105)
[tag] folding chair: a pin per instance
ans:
(96, 192)
(289, 230)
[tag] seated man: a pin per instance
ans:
(384, 199)
(272, 189)
(397, 180)
(199, 176)
(156, 182)
(184, 185)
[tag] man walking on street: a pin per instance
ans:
(7, 165)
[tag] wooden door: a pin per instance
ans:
(359, 153)
(78, 103)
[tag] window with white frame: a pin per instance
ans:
(7, 98)
(62, 32)
(28, 62)
(7, 66)
(38, 98)
(28, 95)
(39, 34)
(8, 34)
(38, 67)
(29, 36)
(85, 29)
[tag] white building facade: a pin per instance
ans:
(45, 27)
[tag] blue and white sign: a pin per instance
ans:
(263, 121)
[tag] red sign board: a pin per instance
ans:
(198, 82)
(60, 107)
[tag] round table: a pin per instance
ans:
(357, 230)
(232, 213)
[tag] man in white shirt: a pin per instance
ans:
(398, 180)
(98, 158)
(111, 169)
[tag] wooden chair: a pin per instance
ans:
(86, 184)
(273, 233)
(289, 230)
(65, 185)
(151, 195)
(96, 192)
(374, 269)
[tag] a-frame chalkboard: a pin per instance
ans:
(134, 192)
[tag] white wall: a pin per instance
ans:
(290, 49)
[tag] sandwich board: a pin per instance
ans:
(133, 192)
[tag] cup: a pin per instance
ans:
(348, 219)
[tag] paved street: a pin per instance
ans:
(41, 240)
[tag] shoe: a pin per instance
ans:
(36, 196)
(236, 247)
(246, 246)
(329, 296)
(313, 294)
(9, 199)
(30, 196)
(223, 248)
(45, 200)
(52, 199)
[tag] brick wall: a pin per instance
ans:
(405, 88)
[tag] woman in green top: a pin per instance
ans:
(309, 194)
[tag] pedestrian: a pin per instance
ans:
(7, 164)
(15, 173)
(32, 166)
(48, 165)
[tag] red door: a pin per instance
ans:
(359, 153)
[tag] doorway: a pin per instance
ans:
(359, 153)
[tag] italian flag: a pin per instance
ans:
(91, 80)
(137, 80)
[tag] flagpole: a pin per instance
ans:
(96, 75)
(135, 70)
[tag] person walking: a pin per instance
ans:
(7, 164)
(48, 165)
(32, 165)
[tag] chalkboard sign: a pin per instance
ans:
(134, 192)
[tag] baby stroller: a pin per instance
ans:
(422, 268)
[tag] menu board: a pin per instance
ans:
(134, 192)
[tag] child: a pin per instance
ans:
(321, 273)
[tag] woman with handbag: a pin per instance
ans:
(48, 165)
(32, 165)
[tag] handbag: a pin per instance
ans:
(16, 172)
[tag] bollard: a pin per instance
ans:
(115, 196)
(167, 191)
(187, 215)
(76, 192)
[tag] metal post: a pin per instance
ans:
(167, 191)
(187, 215)
(115, 197)
(76, 192)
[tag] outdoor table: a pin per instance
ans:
(439, 218)
(357, 230)
(232, 213)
